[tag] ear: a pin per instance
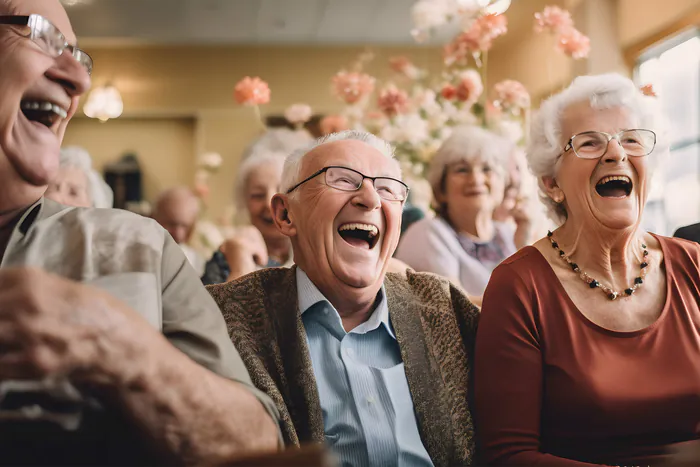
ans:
(552, 189)
(281, 215)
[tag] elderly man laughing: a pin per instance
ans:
(111, 351)
(374, 364)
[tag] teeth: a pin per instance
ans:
(373, 231)
(44, 106)
(614, 177)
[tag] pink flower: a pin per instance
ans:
(352, 87)
(333, 124)
(298, 113)
(511, 95)
(469, 88)
(478, 38)
(448, 91)
(648, 90)
(553, 19)
(404, 66)
(392, 101)
(574, 44)
(252, 91)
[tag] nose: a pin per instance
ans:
(70, 74)
(477, 177)
(615, 152)
(367, 197)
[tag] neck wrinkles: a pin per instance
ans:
(612, 256)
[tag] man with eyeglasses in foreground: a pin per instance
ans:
(111, 351)
(374, 364)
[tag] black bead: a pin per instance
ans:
(639, 280)
(593, 284)
(574, 266)
(561, 253)
(643, 265)
(612, 296)
(644, 246)
(629, 291)
(555, 245)
(646, 253)
(549, 233)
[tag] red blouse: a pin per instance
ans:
(553, 388)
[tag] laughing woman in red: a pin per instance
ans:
(588, 349)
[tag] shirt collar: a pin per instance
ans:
(309, 295)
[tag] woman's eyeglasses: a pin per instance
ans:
(594, 144)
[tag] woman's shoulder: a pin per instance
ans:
(680, 252)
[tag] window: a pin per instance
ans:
(673, 68)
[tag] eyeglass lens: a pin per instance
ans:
(349, 180)
(591, 145)
(53, 42)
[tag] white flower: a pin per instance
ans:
(428, 103)
(298, 113)
(411, 128)
(210, 160)
(510, 129)
(429, 14)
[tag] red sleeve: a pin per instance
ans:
(508, 376)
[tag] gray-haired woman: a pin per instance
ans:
(588, 349)
(77, 184)
(463, 242)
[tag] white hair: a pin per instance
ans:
(101, 194)
(248, 166)
(277, 141)
(601, 92)
(291, 174)
(469, 144)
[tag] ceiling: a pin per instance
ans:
(308, 22)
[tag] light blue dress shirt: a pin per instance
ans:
(367, 408)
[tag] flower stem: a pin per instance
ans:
(258, 115)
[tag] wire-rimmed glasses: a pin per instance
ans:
(347, 179)
(594, 144)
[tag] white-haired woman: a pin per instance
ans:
(463, 242)
(77, 184)
(588, 349)
(260, 244)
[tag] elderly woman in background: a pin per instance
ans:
(77, 184)
(463, 242)
(588, 347)
(259, 244)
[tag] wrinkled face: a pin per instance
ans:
(261, 185)
(590, 195)
(470, 187)
(178, 216)
(30, 140)
(345, 238)
(70, 187)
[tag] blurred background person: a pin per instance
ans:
(177, 210)
(463, 242)
(77, 183)
(689, 232)
(259, 244)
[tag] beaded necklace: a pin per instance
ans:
(593, 284)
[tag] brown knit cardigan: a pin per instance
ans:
(435, 326)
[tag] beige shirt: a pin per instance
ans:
(135, 260)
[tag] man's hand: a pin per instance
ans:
(51, 327)
(245, 251)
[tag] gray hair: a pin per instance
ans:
(292, 164)
(100, 193)
(601, 92)
(248, 166)
(469, 144)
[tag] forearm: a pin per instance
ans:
(191, 415)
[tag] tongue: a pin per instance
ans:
(610, 190)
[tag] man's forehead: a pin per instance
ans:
(49, 9)
(354, 154)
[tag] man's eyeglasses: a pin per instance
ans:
(594, 144)
(345, 179)
(48, 37)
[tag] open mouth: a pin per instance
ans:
(616, 186)
(43, 112)
(359, 235)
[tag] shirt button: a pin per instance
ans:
(370, 399)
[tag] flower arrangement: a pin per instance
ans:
(416, 112)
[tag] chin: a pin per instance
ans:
(357, 275)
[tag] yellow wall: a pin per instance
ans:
(164, 147)
(640, 19)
